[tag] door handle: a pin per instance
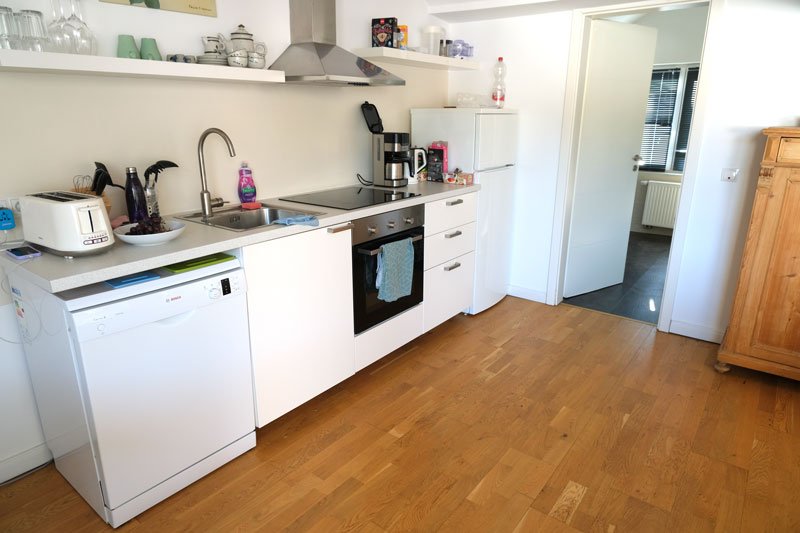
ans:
(451, 235)
(343, 227)
(454, 202)
(454, 266)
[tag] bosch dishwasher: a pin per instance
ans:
(143, 383)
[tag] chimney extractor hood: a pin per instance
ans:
(313, 56)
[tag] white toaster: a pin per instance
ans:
(65, 222)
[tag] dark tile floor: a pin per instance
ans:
(639, 294)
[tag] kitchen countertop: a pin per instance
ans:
(55, 274)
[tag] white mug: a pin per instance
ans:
(213, 43)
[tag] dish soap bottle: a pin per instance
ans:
(247, 187)
(499, 85)
(134, 196)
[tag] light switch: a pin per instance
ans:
(729, 174)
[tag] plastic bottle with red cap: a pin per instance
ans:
(499, 85)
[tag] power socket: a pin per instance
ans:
(7, 219)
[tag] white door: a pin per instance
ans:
(300, 299)
(618, 71)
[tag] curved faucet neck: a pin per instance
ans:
(205, 195)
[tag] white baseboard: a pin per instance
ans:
(22, 462)
(695, 331)
(528, 294)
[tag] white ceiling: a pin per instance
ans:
(473, 10)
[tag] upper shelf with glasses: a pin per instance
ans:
(416, 59)
(47, 62)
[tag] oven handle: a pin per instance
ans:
(377, 250)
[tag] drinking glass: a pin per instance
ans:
(83, 39)
(9, 35)
(60, 32)
(33, 35)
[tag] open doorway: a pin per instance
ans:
(621, 222)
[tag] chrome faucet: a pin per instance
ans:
(206, 201)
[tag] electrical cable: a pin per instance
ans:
(364, 181)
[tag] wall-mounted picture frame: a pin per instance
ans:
(206, 8)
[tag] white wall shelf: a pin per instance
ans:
(416, 59)
(45, 62)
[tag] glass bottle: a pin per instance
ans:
(134, 196)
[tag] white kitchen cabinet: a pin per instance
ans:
(449, 258)
(448, 289)
(300, 303)
(450, 212)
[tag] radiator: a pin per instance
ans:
(661, 204)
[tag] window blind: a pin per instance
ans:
(658, 122)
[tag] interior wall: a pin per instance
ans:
(680, 34)
(295, 138)
(535, 49)
(743, 34)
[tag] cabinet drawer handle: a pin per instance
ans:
(451, 235)
(343, 227)
(454, 202)
(452, 267)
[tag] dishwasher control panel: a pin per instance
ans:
(165, 305)
(218, 288)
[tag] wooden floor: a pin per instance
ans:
(524, 418)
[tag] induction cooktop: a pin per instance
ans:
(348, 198)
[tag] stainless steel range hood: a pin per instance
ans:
(313, 56)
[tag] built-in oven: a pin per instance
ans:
(369, 235)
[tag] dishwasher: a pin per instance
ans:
(143, 383)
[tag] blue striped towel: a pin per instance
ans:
(305, 220)
(395, 270)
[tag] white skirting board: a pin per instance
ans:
(696, 331)
(17, 465)
(527, 294)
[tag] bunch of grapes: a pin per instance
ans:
(148, 226)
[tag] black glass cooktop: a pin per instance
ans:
(348, 198)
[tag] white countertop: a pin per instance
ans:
(56, 274)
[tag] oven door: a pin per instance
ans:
(368, 310)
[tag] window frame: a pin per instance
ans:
(669, 166)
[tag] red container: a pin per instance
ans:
(441, 147)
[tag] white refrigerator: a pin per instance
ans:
(482, 141)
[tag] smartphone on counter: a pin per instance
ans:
(23, 252)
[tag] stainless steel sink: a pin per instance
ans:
(238, 219)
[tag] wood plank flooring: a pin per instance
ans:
(524, 418)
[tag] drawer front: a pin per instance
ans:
(450, 212)
(448, 289)
(448, 244)
(789, 151)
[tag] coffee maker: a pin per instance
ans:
(391, 152)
